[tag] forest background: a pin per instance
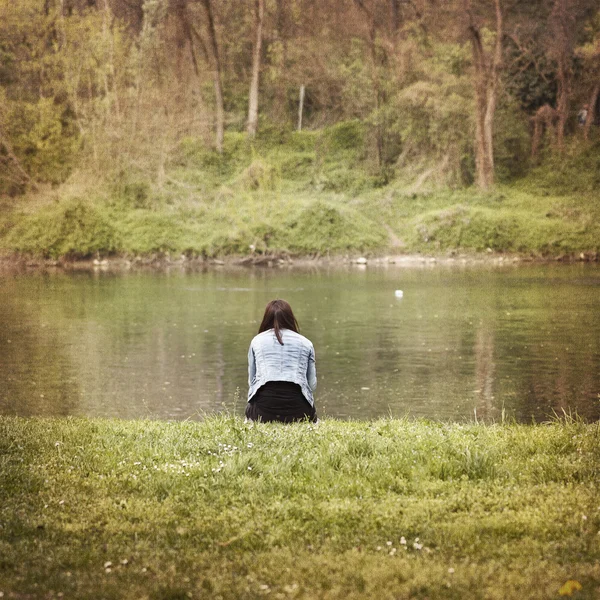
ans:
(299, 127)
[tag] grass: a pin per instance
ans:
(223, 509)
(307, 193)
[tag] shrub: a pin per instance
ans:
(259, 175)
(74, 228)
(346, 135)
(321, 227)
(146, 232)
(45, 139)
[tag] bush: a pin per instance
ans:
(468, 227)
(259, 175)
(576, 171)
(321, 227)
(346, 135)
(44, 139)
(147, 232)
(74, 229)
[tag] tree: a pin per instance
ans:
(256, 56)
(214, 58)
(544, 121)
(589, 54)
(562, 21)
(487, 66)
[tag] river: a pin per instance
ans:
(467, 342)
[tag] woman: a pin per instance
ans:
(281, 369)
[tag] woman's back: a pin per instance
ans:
(292, 355)
(292, 361)
(281, 368)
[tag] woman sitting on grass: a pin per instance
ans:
(281, 369)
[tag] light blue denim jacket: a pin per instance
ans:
(268, 360)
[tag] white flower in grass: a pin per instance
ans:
(403, 541)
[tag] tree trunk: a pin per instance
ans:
(281, 27)
(482, 172)
(375, 76)
(591, 111)
(562, 19)
(544, 120)
(108, 35)
(492, 94)
(253, 97)
(562, 102)
(486, 91)
(218, 85)
(395, 16)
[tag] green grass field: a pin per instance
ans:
(223, 509)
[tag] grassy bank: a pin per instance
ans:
(223, 509)
(305, 193)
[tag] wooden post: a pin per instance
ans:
(301, 107)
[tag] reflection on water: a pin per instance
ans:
(460, 342)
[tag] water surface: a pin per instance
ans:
(518, 340)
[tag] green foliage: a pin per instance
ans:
(509, 220)
(90, 87)
(346, 135)
(147, 232)
(73, 228)
(259, 175)
(530, 77)
(130, 193)
(303, 141)
(427, 112)
(357, 77)
(322, 228)
(512, 144)
(466, 227)
(45, 139)
(576, 172)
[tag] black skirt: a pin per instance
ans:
(280, 401)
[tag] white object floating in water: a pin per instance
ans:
(399, 293)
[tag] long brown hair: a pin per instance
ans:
(278, 316)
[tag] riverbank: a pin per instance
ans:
(219, 508)
(296, 200)
(159, 262)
